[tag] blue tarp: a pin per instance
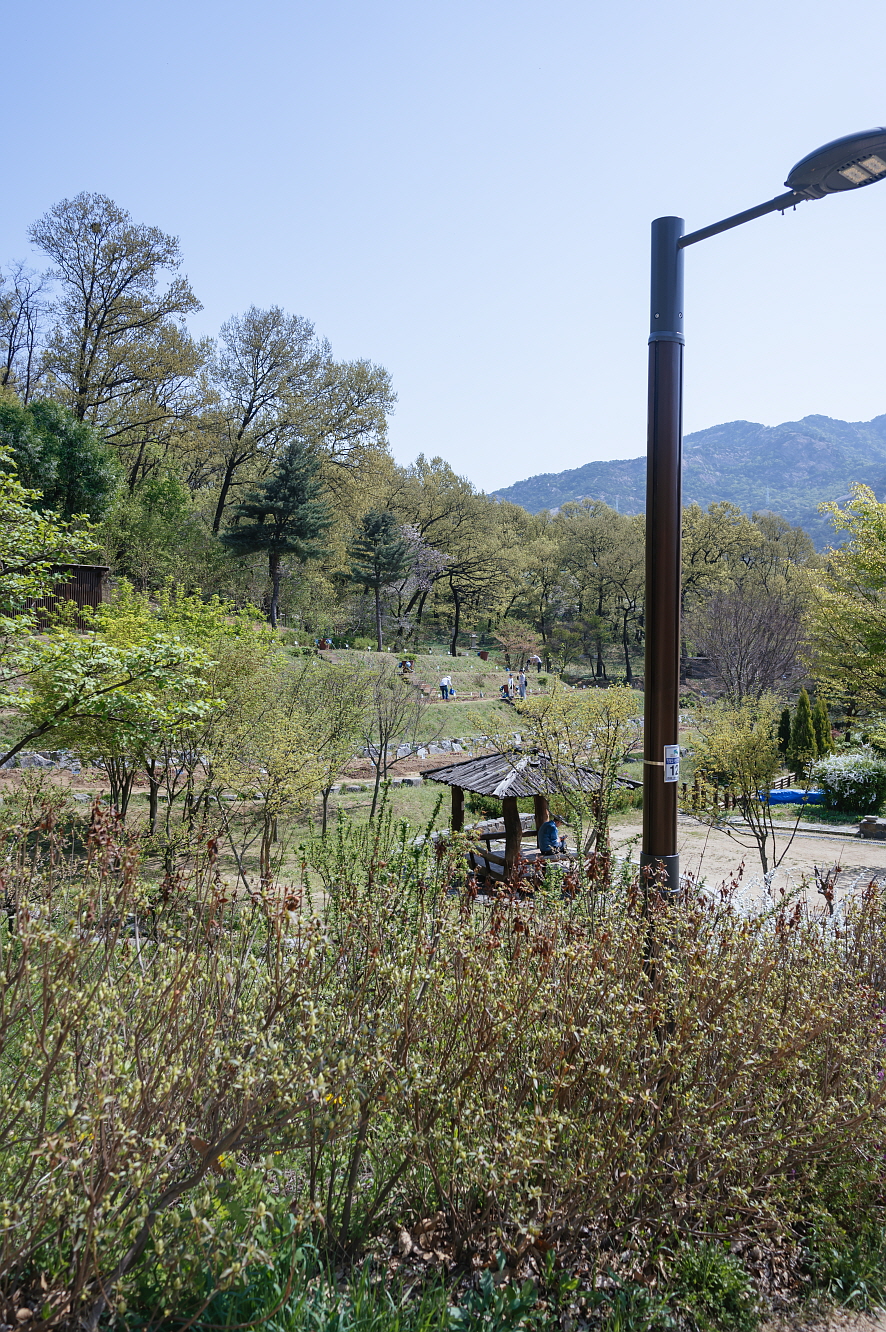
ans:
(791, 796)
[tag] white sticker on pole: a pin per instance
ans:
(672, 763)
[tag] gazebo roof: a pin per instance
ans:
(518, 775)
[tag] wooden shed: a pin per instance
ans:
(84, 584)
(510, 777)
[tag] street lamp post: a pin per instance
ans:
(849, 163)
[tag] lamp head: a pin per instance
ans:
(842, 164)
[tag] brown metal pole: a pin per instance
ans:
(663, 541)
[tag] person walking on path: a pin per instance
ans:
(445, 686)
(521, 681)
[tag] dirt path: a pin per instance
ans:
(833, 1322)
(715, 857)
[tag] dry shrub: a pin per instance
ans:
(177, 1067)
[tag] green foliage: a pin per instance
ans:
(737, 749)
(379, 554)
(803, 748)
(846, 620)
(152, 532)
(285, 515)
(58, 456)
(712, 1288)
(821, 723)
(330, 1055)
(853, 783)
(849, 1267)
(505, 1308)
(784, 732)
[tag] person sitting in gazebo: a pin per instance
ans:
(550, 843)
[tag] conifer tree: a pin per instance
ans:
(784, 733)
(803, 749)
(379, 555)
(821, 722)
(284, 516)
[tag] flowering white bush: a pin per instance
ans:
(853, 782)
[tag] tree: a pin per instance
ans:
(23, 306)
(846, 620)
(593, 728)
(118, 331)
(737, 748)
(394, 711)
(32, 543)
(265, 359)
(284, 516)
(336, 698)
(821, 723)
(803, 748)
(784, 733)
(380, 554)
(751, 636)
(62, 458)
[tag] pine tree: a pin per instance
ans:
(821, 722)
(284, 516)
(379, 555)
(803, 749)
(784, 733)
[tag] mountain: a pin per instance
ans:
(789, 469)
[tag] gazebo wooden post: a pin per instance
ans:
(458, 809)
(542, 813)
(513, 832)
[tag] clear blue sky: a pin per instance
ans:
(462, 190)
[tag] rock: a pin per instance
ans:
(421, 753)
(414, 780)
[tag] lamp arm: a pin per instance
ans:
(776, 205)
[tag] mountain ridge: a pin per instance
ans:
(789, 469)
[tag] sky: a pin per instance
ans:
(461, 190)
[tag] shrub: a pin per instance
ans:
(569, 1075)
(855, 783)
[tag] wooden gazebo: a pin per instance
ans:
(510, 777)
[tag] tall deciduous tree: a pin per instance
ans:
(23, 307)
(846, 620)
(284, 515)
(118, 329)
(380, 554)
(265, 360)
(751, 636)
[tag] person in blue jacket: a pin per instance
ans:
(550, 842)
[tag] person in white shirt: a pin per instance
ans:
(445, 686)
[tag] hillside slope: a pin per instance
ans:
(789, 468)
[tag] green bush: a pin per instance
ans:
(714, 1290)
(194, 1083)
(854, 783)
